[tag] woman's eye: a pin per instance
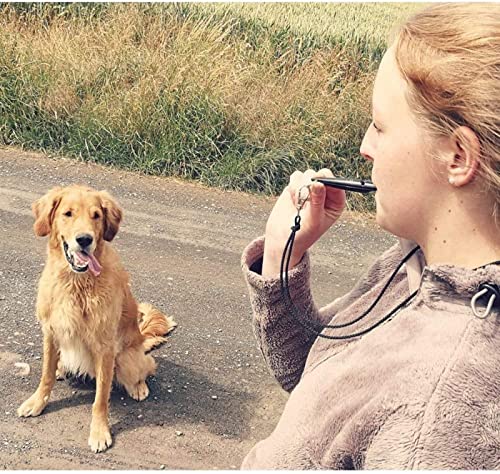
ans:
(376, 127)
(68, 214)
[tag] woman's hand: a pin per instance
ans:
(324, 207)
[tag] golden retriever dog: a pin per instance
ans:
(91, 323)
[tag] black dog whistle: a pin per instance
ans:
(361, 186)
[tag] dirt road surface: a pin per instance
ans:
(212, 398)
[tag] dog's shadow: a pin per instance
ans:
(177, 394)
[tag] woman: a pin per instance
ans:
(420, 390)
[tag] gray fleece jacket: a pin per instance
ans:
(421, 391)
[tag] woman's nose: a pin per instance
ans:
(365, 149)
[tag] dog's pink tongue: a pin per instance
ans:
(94, 265)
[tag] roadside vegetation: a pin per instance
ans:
(233, 95)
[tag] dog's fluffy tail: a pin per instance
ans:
(154, 325)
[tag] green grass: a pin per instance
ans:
(233, 95)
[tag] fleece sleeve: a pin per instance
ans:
(283, 341)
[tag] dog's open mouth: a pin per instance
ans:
(81, 261)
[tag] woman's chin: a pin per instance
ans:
(399, 229)
(380, 220)
(383, 221)
(383, 217)
(379, 213)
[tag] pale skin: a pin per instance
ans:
(427, 188)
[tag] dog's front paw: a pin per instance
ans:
(100, 438)
(33, 406)
(139, 391)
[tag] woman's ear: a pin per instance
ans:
(44, 209)
(463, 165)
(112, 215)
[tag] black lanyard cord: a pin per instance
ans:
(312, 326)
(315, 327)
(389, 281)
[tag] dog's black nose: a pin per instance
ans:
(84, 240)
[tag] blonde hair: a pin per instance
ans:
(449, 55)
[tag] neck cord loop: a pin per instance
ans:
(316, 327)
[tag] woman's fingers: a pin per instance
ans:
(320, 198)
(308, 174)
(334, 198)
(297, 182)
(318, 190)
(317, 193)
(317, 202)
(324, 173)
(296, 179)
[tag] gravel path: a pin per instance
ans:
(212, 398)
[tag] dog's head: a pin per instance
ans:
(78, 220)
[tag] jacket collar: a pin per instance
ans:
(414, 266)
(441, 282)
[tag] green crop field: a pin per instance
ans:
(233, 95)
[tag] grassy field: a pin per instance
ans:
(233, 95)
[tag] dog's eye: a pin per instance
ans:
(68, 214)
(96, 215)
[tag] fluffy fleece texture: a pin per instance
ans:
(420, 391)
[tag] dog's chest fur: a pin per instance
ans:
(83, 321)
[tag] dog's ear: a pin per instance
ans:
(44, 210)
(112, 215)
